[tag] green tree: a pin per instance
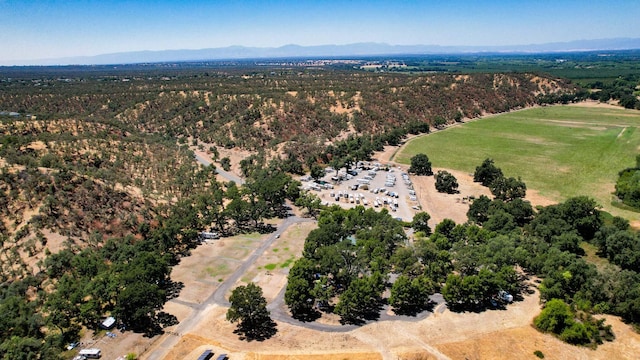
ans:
(630, 102)
(507, 189)
(446, 182)
(421, 222)
(411, 296)
(500, 222)
(446, 228)
(437, 262)
(317, 172)
(521, 210)
(21, 348)
(257, 207)
(298, 295)
(479, 210)
(210, 207)
(555, 317)
(138, 304)
(623, 248)
(310, 202)
(582, 213)
(238, 209)
(453, 291)
(225, 163)
(487, 173)
(405, 261)
(420, 165)
(322, 291)
(249, 308)
(361, 300)
(439, 122)
(271, 187)
(299, 298)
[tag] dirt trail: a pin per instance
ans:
(375, 343)
(432, 350)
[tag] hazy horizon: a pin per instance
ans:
(36, 30)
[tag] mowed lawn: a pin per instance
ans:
(560, 151)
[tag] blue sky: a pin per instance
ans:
(37, 29)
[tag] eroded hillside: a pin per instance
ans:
(254, 110)
(99, 150)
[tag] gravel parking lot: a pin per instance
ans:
(369, 185)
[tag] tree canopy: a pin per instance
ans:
(507, 189)
(446, 182)
(421, 222)
(487, 173)
(628, 185)
(249, 309)
(420, 165)
(559, 319)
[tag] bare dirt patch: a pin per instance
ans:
(595, 104)
(534, 197)
(114, 347)
(271, 269)
(290, 342)
(447, 206)
(521, 342)
(210, 263)
(386, 155)
(55, 241)
(37, 145)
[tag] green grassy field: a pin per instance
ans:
(560, 151)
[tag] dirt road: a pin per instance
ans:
(225, 174)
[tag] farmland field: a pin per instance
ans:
(559, 151)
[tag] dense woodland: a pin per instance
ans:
(101, 194)
(356, 254)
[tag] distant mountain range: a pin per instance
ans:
(355, 50)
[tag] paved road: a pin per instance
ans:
(277, 307)
(219, 295)
(279, 313)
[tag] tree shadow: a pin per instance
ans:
(307, 315)
(362, 316)
(462, 308)
(173, 289)
(153, 325)
(482, 306)
(373, 313)
(415, 310)
(152, 330)
(352, 320)
(263, 228)
(283, 212)
(165, 319)
(259, 332)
